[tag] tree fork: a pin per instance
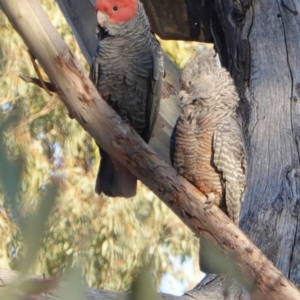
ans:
(252, 269)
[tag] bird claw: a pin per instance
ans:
(210, 200)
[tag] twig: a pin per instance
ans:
(37, 70)
(47, 86)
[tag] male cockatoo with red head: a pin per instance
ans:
(127, 71)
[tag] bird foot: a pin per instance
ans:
(209, 201)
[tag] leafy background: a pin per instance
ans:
(108, 238)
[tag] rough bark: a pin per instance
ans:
(192, 19)
(261, 39)
(83, 102)
(187, 20)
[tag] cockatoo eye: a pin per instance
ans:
(115, 8)
(190, 83)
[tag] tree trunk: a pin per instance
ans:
(261, 39)
(262, 42)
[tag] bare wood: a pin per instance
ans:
(262, 53)
(187, 20)
(252, 268)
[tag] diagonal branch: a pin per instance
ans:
(251, 268)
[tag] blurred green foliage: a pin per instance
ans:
(109, 238)
(180, 51)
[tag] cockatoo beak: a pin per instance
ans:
(102, 18)
(182, 95)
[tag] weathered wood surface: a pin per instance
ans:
(180, 20)
(261, 50)
(120, 141)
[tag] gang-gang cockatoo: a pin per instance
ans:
(207, 143)
(127, 70)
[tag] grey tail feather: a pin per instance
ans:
(114, 179)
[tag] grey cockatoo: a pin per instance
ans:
(127, 70)
(207, 143)
(207, 146)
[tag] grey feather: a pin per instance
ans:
(127, 70)
(207, 144)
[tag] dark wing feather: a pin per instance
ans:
(130, 81)
(183, 148)
(230, 159)
(155, 90)
(173, 143)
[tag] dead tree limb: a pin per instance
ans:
(251, 267)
